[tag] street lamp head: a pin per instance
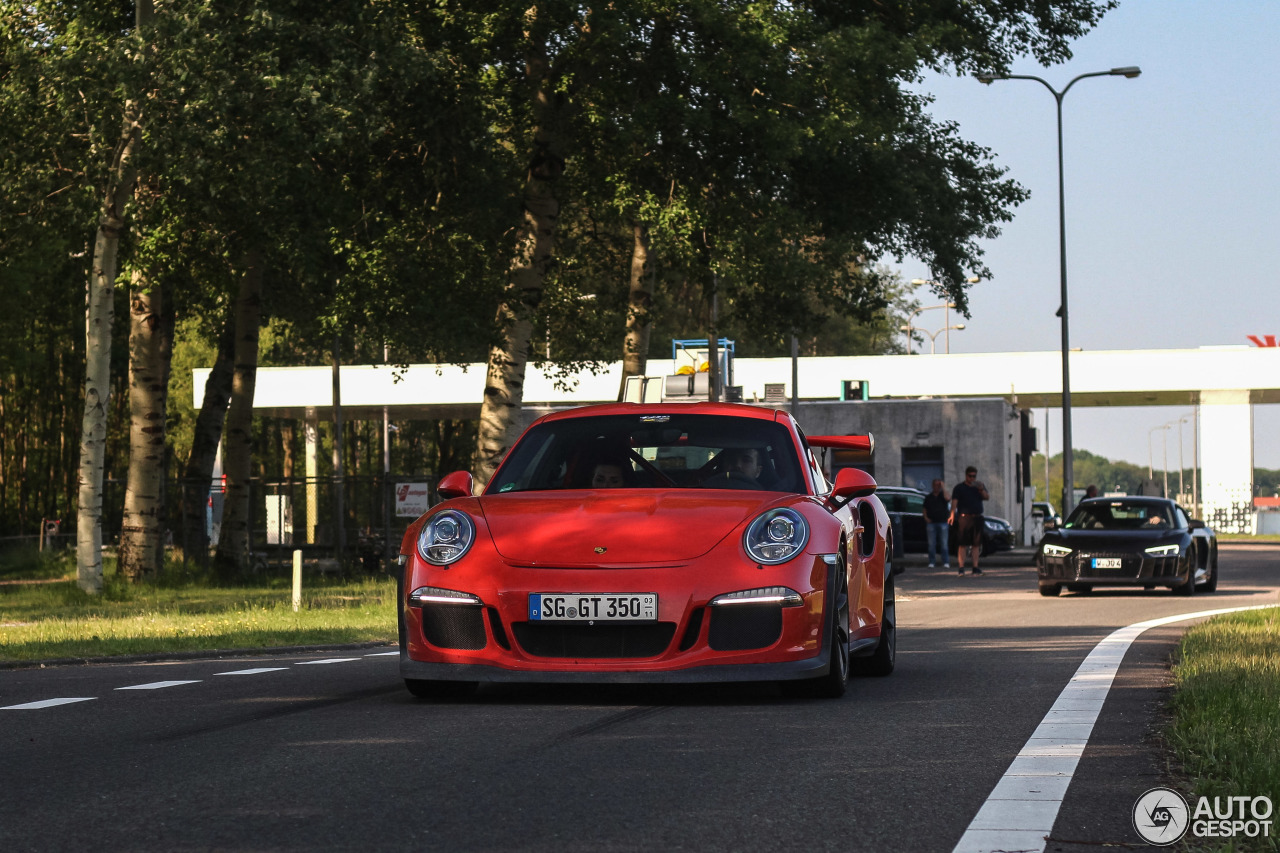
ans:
(916, 282)
(973, 279)
(958, 326)
(987, 79)
(1129, 71)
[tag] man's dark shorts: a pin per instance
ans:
(969, 530)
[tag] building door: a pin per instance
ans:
(921, 466)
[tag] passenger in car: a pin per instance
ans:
(609, 475)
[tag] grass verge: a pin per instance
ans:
(1226, 710)
(57, 620)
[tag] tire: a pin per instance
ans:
(835, 682)
(1211, 580)
(1050, 590)
(1188, 588)
(881, 661)
(440, 689)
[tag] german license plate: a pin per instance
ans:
(1106, 562)
(593, 607)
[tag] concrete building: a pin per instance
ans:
(1224, 383)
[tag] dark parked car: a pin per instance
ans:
(1129, 541)
(905, 506)
(1052, 521)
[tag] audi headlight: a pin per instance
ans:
(776, 536)
(446, 537)
(1051, 550)
(1164, 551)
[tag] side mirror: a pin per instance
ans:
(853, 483)
(1195, 524)
(456, 485)
(1050, 524)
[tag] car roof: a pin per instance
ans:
(1133, 499)
(909, 490)
(738, 410)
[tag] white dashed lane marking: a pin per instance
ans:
(1020, 811)
(326, 660)
(47, 703)
(160, 685)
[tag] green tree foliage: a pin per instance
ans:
(377, 154)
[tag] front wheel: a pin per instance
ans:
(1050, 590)
(835, 682)
(1211, 576)
(881, 661)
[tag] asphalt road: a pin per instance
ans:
(328, 751)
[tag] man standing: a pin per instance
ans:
(966, 514)
(936, 517)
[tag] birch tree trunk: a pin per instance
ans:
(197, 475)
(635, 350)
(99, 317)
(237, 445)
(526, 277)
(142, 535)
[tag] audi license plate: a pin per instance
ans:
(1106, 562)
(593, 607)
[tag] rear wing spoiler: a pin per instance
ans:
(864, 442)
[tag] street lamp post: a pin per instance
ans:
(917, 282)
(1068, 497)
(933, 336)
(908, 328)
(1150, 472)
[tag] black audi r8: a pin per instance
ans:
(1128, 541)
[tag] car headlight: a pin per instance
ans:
(446, 537)
(776, 536)
(1051, 550)
(1164, 550)
(996, 526)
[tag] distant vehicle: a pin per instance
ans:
(1129, 541)
(905, 506)
(656, 543)
(1052, 521)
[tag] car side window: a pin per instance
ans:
(820, 484)
(915, 504)
(1180, 517)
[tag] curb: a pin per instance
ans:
(193, 654)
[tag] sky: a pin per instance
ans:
(1172, 205)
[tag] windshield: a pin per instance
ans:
(652, 451)
(1120, 515)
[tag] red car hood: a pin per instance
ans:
(646, 526)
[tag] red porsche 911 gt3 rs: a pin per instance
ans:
(660, 543)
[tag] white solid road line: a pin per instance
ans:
(157, 685)
(254, 671)
(326, 660)
(47, 703)
(382, 654)
(1021, 809)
